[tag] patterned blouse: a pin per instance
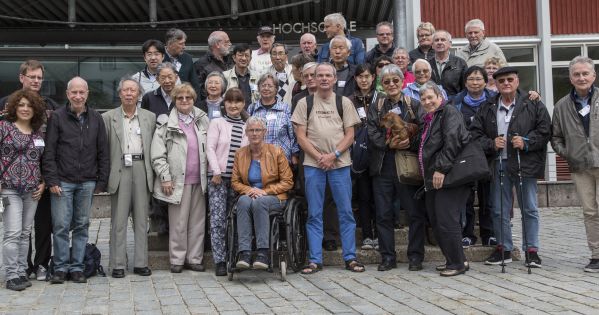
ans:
(20, 158)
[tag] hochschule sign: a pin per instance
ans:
(307, 27)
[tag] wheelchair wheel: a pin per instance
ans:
(296, 233)
(231, 245)
(283, 269)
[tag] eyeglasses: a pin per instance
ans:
(153, 54)
(278, 53)
(423, 35)
(395, 81)
(384, 34)
(380, 65)
(425, 71)
(475, 79)
(504, 80)
(34, 77)
(257, 130)
(184, 98)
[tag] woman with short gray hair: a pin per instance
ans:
(215, 86)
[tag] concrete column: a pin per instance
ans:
(399, 22)
(153, 15)
(545, 74)
(414, 18)
(72, 13)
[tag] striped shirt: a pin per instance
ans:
(236, 136)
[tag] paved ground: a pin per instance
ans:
(560, 287)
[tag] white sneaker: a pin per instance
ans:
(367, 244)
(41, 273)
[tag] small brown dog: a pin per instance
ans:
(398, 127)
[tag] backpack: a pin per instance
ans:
(91, 263)
(359, 149)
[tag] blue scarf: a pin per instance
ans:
(468, 100)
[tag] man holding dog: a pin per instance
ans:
(513, 132)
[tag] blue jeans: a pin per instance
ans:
(340, 184)
(258, 211)
(71, 210)
(528, 208)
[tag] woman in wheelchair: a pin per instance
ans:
(262, 177)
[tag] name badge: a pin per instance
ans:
(585, 110)
(271, 117)
(253, 87)
(178, 66)
(471, 118)
(128, 159)
(361, 112)
(341, 83)
(396, 110)
(507, 119)
(138, 131)
(216, 114)
(38, 142)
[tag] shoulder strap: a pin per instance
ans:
(380, 103)
(310, 104)
(339, 104)
(408, 101)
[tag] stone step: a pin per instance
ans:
(160, 259)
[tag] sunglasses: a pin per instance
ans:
(503, 80)
(425, 71)
(395, 81)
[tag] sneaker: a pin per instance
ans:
(244, 260)
(467, 242)
(25, 281)
(261, 262)
(492, 241)
(15, 284)
(376, 243)
(495, 258)
(593, 266)
(367, 244)
(78, 277)
(533, 260)
(40, 275)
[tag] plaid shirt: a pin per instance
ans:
(279, 129)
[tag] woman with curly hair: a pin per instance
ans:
(21, 183)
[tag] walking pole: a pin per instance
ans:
(501, 208)
(521, 197)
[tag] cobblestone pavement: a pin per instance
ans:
(560, 287)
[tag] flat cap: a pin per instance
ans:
(505, 70)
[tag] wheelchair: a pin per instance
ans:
(287, 239)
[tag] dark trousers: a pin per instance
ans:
(366, 213)
(386, 188)
(485, 223)
(444, 207)
(42, 225)
(330, 219)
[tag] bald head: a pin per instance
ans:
(219, 43)
(308, 44)
(77, 92)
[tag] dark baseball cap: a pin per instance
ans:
(505, 70)
(265, 30)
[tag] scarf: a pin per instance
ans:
(468, 100)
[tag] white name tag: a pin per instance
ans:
(396, 110)
(341, 83)
(138, 131)
(361, 112)
(271, 117)
(38, 142)
(215, 113)
(507, 119)
(253, 87)
(585, 110)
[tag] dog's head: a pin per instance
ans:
(391, 119)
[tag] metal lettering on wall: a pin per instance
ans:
(309, 27)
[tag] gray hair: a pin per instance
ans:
(214, 38)
(583, 60)
(309, 65)
(384, 23)
(430, 85)
(124, 79)
(219, 75)
(425, 26)
(474, 23)
(310, 35)
(174, 34)
(267, 76)
(420, 60)
(341, 38)
(336, 18)
(74, 79)
(391, 69)
(400, 50)
(328, 65)
(166, 65)
(442, 31)
(255, 120)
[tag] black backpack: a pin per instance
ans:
(91, 263)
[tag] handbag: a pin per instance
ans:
(406, 162)
(469, 166)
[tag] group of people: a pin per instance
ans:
(240, 126)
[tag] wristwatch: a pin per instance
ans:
(337, 153)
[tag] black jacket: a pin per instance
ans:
(446, 138)
(207, 64)
(350, 83)
(376, 134)
(375, 53)
(154, 102)
(452, 78)
(76, 152)
(186, 72)
(467, 111)
(530, 119)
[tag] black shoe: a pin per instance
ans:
(15, 284)
(415, 266)
(142, 271)
(25, 281)
(176, 268)
(220, 269)
(244, 261)
(262, 261)
(195, 267)
(495, 258)
(58, 277)
(593, 266)
(444, 266)
(387, 264)
(330, 245)
(452, 272)
(533, 260)
(78, 277)
(118, 273)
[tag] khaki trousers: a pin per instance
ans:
(587, 186)
(187, 224)
(131, 197)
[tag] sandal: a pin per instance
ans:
(354, 266)
(311, 268)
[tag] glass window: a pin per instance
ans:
(596, 76)
(559, 53)
(528, 77)
(594, 52)
(561, 83)
(519, 54)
